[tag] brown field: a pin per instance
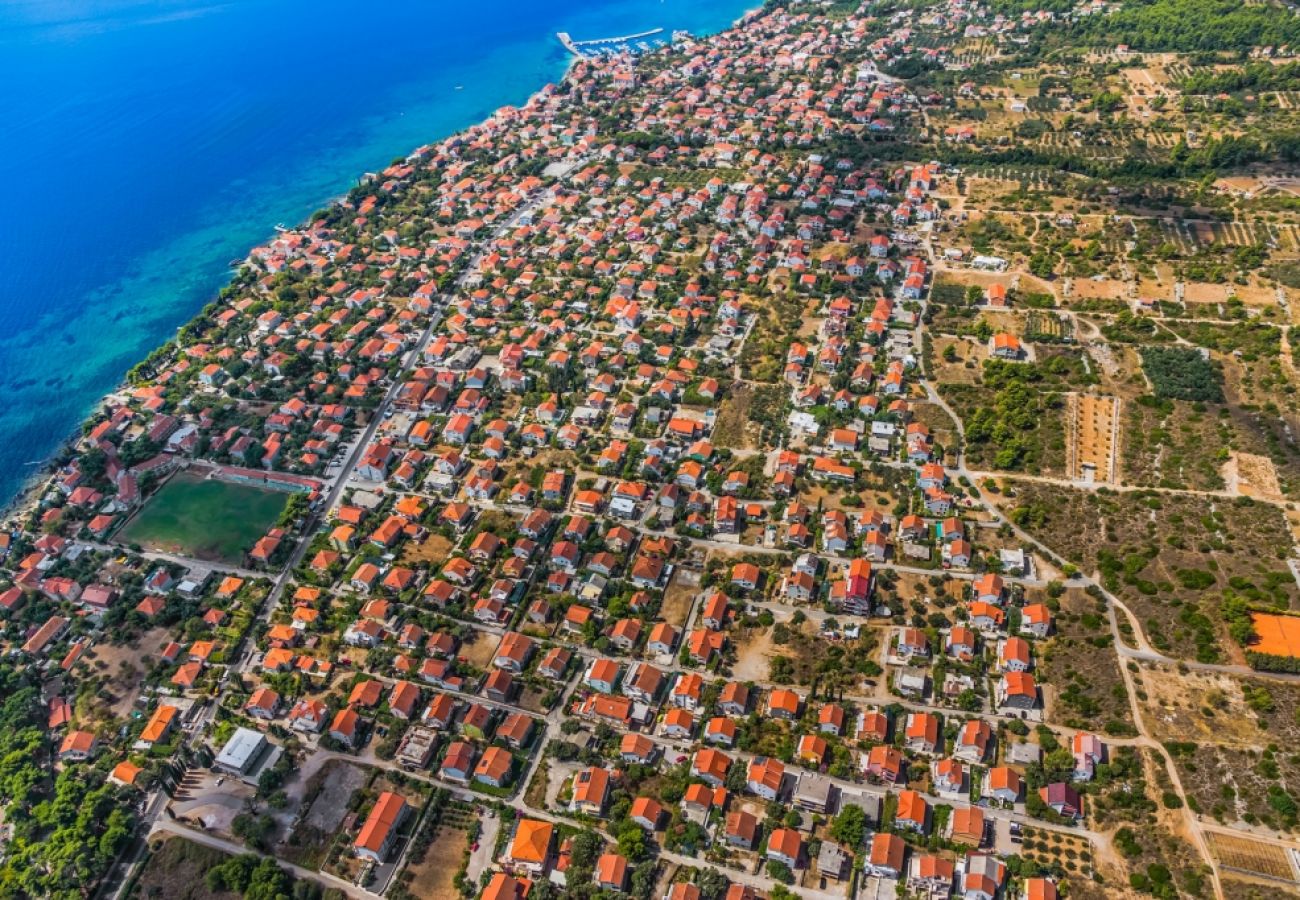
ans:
(1244, 889)
(1250, 856)
(479, 654)
(1253, 475)
(433, 878)
(122, 668)
(1091, 449)
(434, 550)
(732, 427)
(677, 599)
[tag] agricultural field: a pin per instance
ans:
(204, 518)
(1252, 857)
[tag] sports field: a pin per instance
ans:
(1277, 635)
(204, 519)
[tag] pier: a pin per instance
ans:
(575, 47)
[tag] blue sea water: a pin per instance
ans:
(147, 143)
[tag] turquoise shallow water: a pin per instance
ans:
(150, 142)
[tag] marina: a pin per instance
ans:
(628, 43)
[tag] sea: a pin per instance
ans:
(147, 144)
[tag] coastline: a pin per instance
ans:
(31, 488)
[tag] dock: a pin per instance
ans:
(576, 47)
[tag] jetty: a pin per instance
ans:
(576, 47)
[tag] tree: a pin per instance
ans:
(850, 826)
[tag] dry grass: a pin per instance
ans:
(432, 878)
(1170, 557)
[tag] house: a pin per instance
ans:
(647, 813)
(711, 766)
(602, 675)
(1036, 620)
(263, 704)
(530, 848)
(78, 746)
(988, 588)
(1002, 783)
(611, 872)
(458, 762)
(930, 875)
(921, 732)
(678, 723)
(784, 704)
(966, 825)
(740, 829)
(506, 887)
(765, 777)
(913, 812)
(514, 652)
(786, 846)
(832, 861)
(494, 768)
(1039, 889)
(1017, 691)
(734, 699)
(590, 791)
(973, 741)
(981, 876)
(1062, 799)
(885, 858)
(637, 748)
(885, 763)
(381, 827)
(815, 793)
(1014, 655)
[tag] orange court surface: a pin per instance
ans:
(1277, 635)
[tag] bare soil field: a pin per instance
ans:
(480, 652)
(122, 668)
(434, 551)
(1093, 437)
(676, 605)
(732, 427)
(433, 878)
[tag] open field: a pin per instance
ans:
(1092, 449)
(333, 786)
(432, 878)
(1080, 669)
(176, 871)
(434, 551)
(1252, 857)
(123, 668)
(204, 518)
(1171, 557)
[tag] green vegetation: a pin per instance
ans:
(205, 518)
(1181, 373)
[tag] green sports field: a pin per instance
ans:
(204, 519)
